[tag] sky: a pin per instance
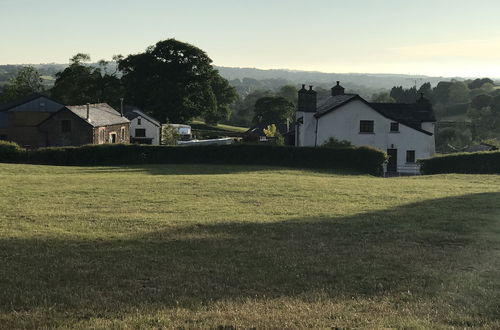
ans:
(451, 38)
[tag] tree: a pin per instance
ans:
(288, 92)
(478, 83)
(81, 83)
(383, 97)
(176, 82)
(27, 81)
(243, 112)
(459, 93)
(273, 110)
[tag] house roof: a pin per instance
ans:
(411, 115)
(137, 113)
(100, 114)
(29, 98)
(333, 102)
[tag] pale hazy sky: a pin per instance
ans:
(434, 37)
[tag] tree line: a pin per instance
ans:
(172, 80)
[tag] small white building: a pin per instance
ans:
(144, 129)
(404, 131)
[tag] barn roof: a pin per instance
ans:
(100, 114)
(137, 113)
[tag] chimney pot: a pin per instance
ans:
(338, 83)
(310, 87)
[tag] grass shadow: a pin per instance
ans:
(415, 248)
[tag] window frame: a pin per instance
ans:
(411, 157)
(394, 124)
(370, 123)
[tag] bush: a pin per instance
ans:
(364, 159)
(11, 152)
(337, 144)
(469, 163)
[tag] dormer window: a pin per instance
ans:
(139, 120)
(394, 127)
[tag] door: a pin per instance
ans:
(392, 164)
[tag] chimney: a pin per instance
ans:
(88, 112)
(302, 102)
(121, 106)
(338, 90)
(312, 100)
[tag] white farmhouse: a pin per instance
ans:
(404, 131)
(144, 129)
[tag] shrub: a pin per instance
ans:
(11, 152)
(469, 163)
(338, 144)
(364, 159)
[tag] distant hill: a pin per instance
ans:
(377, 81)
(249, 79)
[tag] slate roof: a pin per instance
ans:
(334, 102)
(29, 98)
(415, 112)
(137, 113)
(100, 114)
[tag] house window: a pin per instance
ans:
(140, 132)
(123, 133)
(65, 126)
(139, 121)
(112, 138)
(394, 127)
(410, 156)
(366, 126)
(101, 133)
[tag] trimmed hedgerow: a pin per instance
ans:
(11, 152)
(469, 163)
(364, 159)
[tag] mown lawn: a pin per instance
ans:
(197, 246)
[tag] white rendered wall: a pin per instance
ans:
(152, 131)
(307, 131)
(343, 124)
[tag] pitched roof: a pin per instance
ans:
(29, 98)
(334, 102)
(137, 113)
(411, 115)
(100, 114)
(406, 112)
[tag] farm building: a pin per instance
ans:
(38, 121)
(144, 129)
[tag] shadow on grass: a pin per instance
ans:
(415, 248)
(202, 169)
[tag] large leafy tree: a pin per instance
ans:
(176, 82)
(27, 81)
(82, 83)
(273, 110)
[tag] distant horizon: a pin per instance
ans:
(298, 70)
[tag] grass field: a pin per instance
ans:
(213, 246)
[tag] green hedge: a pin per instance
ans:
(10, 152)
(364, 159)
(470, 163)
